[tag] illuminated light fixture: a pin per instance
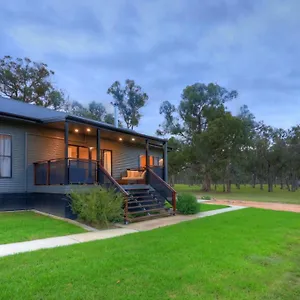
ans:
(133, 139)
(76, 130)
(88, 129)
(120, 139)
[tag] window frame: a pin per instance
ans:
(10, 156)
(151, 157)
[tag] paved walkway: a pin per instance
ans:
(266, 205)
(9, 249)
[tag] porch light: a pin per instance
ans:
(88, 129)
(133, 139)
(76, 130)
(120, 139)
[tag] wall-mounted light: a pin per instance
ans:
(76, 130)
(133, 139)
(91, 148)
(120, 139)
(88, 129)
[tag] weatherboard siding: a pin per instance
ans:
(34, 142)
(17, 183)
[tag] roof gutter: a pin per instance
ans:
(18, 117)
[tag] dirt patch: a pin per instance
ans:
(266, 205)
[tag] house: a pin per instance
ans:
(44, 154)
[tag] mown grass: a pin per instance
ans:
(25, 226)
(207, 207)
(246, 254)
(246, 193)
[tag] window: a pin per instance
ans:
(5, 156)
(154, 161)
(78, 152)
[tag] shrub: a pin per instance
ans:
(97, 205)
(206, 197)
(187, 204)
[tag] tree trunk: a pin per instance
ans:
(238, 186)
(261, 183)
(215, 187)
(270, 179)
(288, 184)
(254, 181)
(228, 186)
(224, 187)
(206, 186)
(294, 183)
(281, 182)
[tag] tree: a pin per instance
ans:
(95, 111)
(200, 112)
(30, 82)
(130, 99)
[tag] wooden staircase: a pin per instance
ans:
(145, 203)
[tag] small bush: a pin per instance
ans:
(187, 204)
(97, 206)
(206, 197)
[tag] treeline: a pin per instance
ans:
(212, 146)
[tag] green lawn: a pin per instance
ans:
(245, 193)
(206, 207)
(246, 254)
(25, 226)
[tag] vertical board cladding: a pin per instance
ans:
(17, 183)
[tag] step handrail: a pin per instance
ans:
(120, 188)
(167, 186)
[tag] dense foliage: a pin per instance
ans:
(97, 205)
(212, 146)
(30, 82)
(187, 204)
(129, 99)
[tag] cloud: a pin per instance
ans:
(164, 45)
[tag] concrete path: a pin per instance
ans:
(9, 249)
(161, 222)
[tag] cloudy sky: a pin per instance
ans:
(252, 46)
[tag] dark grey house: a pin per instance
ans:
(45, 153)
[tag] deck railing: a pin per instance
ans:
(162, 187)
(79, 171)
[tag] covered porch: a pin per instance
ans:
(89, 153)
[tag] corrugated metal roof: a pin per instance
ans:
(28, 111)
(18, 109)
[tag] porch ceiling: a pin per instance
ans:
(133, 138)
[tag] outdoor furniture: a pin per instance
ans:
(134, 176)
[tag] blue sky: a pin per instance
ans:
(252, 46)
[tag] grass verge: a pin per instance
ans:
(207, 207)
(246, 254)
(246, 193)
(26, 226)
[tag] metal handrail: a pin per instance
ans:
(167, 186)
